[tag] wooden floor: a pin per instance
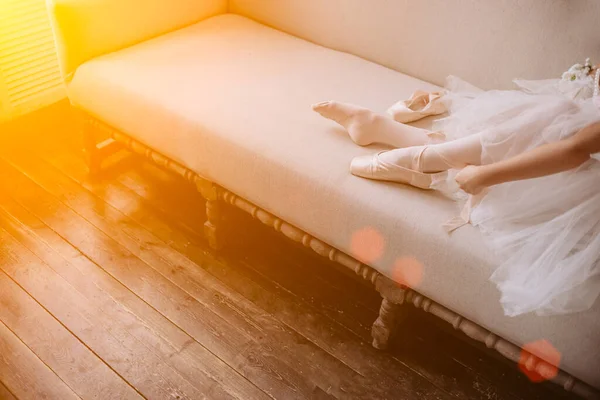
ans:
(108, 291)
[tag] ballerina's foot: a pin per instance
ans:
(358, 121)
(366, 127)
(387, 166)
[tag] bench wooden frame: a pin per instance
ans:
(394, 296)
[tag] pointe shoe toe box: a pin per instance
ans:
(362, 166)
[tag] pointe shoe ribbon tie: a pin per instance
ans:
(420, 105)
(373, 167)
(464, 218)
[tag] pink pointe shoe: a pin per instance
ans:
(373, 167)
(420, 105)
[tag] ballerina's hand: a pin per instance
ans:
(470, 179)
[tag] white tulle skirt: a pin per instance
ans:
(545, 231)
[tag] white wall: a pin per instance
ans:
(487, 42)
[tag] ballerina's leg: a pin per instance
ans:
(366, 127)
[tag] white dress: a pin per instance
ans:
(545, 231)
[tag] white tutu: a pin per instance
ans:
(545, 231)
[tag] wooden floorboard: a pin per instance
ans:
(24, 374)
(180, 308)
(146, 309)
(141, 320)
(86, 374)
(107, 337)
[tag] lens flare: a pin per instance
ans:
(408, 271)
(532, 354)
(367, 245)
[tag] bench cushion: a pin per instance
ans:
(230, 99)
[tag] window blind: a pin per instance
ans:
(29, 72)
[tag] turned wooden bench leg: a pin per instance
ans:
(384, 327)
(390, 313)
(214, 214)
(212, 227)
(96, 152)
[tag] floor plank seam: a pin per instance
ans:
(3, 385)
